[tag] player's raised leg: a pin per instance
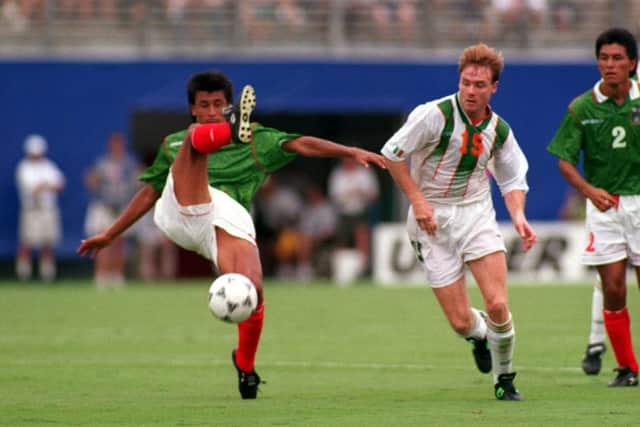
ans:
(218, 124)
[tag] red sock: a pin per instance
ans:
(249, 333)
(208, 138)
(618, 328)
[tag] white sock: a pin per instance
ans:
(479, 328)
(47, 270)
(502, 339)
(597, 333)
(23, 268)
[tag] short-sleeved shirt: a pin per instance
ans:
(450, 156)
(608, 137)
(237, 169)
(31, 174)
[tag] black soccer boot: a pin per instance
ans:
(481, 354)
(592, 361)
(625, 378)
(504, 388)
(247, 381)
(239, 115)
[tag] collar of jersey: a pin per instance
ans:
(483, 124)
(634, 92)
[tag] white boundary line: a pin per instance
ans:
(280, 364)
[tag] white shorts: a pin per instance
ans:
(99, 218)
(613, 235)
(465, 232)
(40, 228)
(193, 227)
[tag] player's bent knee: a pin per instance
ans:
(460, 325)
(497, 309)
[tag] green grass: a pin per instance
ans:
(153, 356)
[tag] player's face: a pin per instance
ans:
(614, 64)
(208, 107)
(476, 88)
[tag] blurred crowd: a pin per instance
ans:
(303, 231)
(426, 23)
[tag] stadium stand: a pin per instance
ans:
(197, 28)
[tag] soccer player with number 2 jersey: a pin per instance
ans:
(603, 125)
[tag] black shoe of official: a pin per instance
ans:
(239, 115)
(504, 389)
(592, 361)
(481, 354)
(625, 378)
(247, 381)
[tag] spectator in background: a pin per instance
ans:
(38, 180)
(316, 231)
(352, 190)
(157, 255)
(518, 18)
(111, 182)
(279, 208)
(473, 19)
(395, 19)
(262, 19)
(565, 15)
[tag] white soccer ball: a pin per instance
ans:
(232, 298)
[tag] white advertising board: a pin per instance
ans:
(554, 259)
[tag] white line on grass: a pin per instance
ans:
(272, 363)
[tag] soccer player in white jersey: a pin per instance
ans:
(38, 180)
(452, 144)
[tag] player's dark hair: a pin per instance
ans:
(623, 38)
(209, 81)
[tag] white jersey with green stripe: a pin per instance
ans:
(451, 158)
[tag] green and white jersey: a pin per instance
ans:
(450, 156)
(237, 169)
(608, 135)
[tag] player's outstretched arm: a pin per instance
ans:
(310, 146)
(140, 204)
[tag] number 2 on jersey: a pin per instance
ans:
(618, 133)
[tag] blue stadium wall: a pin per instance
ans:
(75, 105)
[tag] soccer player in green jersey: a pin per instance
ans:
(453, 143)
(603, 125)
(202, 186)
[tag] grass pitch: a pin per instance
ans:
(153, 356)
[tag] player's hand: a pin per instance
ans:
(364, 158)
(526, 233)
(91, 246)
(423, 213)
(601, 199)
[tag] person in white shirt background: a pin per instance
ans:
(352, 190)
(39, 180)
